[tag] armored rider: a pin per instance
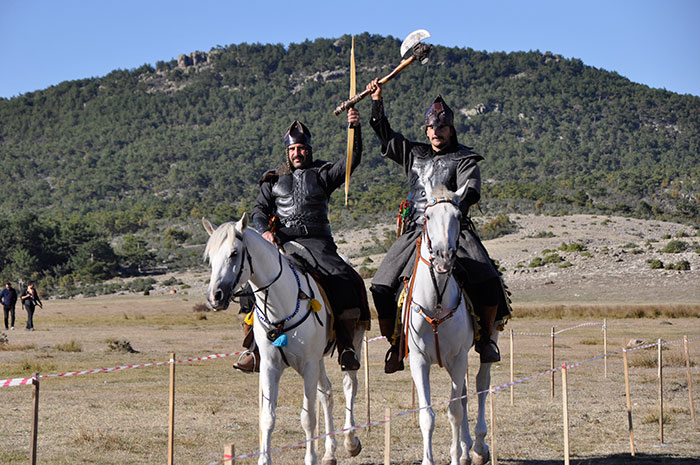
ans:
(292, 205)
(443, 160)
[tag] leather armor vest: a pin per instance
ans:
(434, 170)
(300, 199)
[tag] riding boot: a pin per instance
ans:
(345, 326)
(385, 302)
(485, 346)
(393, 361)
(249, 361)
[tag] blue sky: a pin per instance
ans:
(45, 42)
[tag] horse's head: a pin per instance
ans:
(225, 250)
(441, 226)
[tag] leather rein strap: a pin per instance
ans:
(412, 306)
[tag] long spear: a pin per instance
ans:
(351, 130)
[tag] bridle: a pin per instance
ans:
(429, 262)
(277, 329)
(434, 321)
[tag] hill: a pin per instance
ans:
(140, 151)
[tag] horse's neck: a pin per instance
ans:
(424, 292)
(269, 267)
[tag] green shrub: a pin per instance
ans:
(573, 247)
(497, 227)
(655, 264)
(116, 345)
(553, 258)
(683, 265)
(366, 272)
(537, 261)
(675, 246)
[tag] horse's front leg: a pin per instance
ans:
(420, 372)
(352, 442)
(269, 382)
(480, 451)
(457, 368)
(310, 373)
(326, 397)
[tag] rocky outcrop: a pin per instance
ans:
(193, 59)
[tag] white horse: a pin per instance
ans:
(283, 310)
(439, 330)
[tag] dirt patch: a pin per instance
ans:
(611, 267)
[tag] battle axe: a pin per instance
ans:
(419, 52)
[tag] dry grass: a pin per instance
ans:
(122, 417)
(608, 311)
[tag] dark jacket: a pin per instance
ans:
(453, 167)
(31, 302)
(8, 297)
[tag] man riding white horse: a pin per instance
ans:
(442, 161)
(293, 206)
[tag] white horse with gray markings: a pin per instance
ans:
(438, 330)
(292, 328)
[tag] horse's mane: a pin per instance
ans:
(441, 191)
(218, 237)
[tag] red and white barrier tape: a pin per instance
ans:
(406, 412)
(518, 333)
(25, 381)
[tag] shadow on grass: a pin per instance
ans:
(618, 459)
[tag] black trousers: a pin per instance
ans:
(9, 311)
(30, 317)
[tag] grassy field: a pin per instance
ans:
(122, 417)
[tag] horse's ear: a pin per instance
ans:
(460, 192)
(243, 222)
(208, 226)
(428, 189)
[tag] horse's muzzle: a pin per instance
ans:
(444, 260)
(218, 299)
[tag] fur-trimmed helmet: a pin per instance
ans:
(297, 133)
(439, 114)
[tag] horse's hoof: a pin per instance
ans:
(354, 451)
(480, 459)
(329, 462)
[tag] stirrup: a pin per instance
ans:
(391, 366)
(256, 363)
(488, 351)
(348, 365)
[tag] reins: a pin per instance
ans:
(413, 306)
(277, 329)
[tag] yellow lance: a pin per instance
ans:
(351, 130)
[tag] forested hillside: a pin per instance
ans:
(124, 152)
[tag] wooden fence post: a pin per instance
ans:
(661, 394)
(565, 413)
(35, 419)
(605, 347)
(367, 396)
(690, 381)
(387, 436)
(318, 422)
(551, 365)
(171, 422)
(494, 449)
(229, 454)
(413, 401)
(512, 387)
(629, 401)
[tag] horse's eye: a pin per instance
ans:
(234, 253)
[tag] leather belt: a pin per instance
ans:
(304, 230)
